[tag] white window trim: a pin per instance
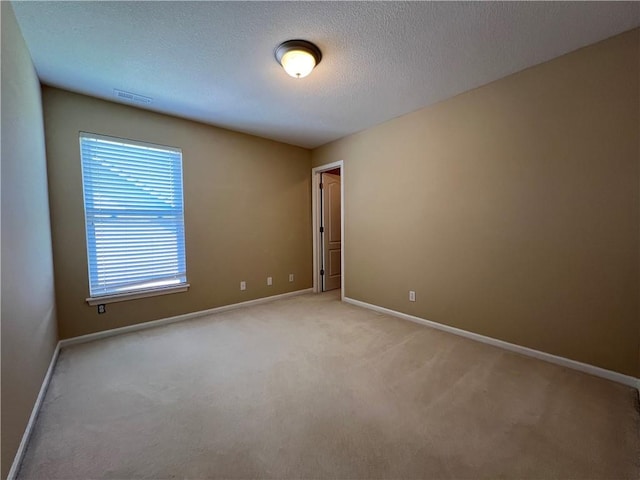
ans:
(123, 297)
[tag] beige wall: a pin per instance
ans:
(29, 333)
(247, 212)
(512, 209)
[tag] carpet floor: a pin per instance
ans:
(309, 387)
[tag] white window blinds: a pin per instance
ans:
(134, 215)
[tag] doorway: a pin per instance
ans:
(328, 227)
(330, 230)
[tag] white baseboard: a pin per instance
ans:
(17, 460)
(178, 318)
(529, 352)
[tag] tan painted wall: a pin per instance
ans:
(247, 212)
(29, 334)
(512, 209)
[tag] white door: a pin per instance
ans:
(331, 232)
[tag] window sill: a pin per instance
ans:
(123, 297)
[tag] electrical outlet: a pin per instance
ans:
(269, 281)
(291, 277)
(412, 296)
(243, 285)
(102, 308)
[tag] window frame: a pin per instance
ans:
(136, 293)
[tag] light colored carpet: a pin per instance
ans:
(308, 387)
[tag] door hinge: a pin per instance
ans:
(322, 272)
(321, 186)
(321, 229)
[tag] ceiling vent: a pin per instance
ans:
(132, 97)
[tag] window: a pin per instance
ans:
(134, 217)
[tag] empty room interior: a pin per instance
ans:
(320, 240)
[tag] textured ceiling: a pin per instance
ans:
(213, 61)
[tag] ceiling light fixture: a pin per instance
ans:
(298, 57)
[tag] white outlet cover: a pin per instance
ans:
(243, 285)
(291, 277)
(269, 280)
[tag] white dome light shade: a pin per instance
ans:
(298, 63)
(298, 57)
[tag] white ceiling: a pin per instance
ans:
(213, 61)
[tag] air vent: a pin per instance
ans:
(132, 97)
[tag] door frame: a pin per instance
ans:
(315, 223)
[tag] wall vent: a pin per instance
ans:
(132, 97)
